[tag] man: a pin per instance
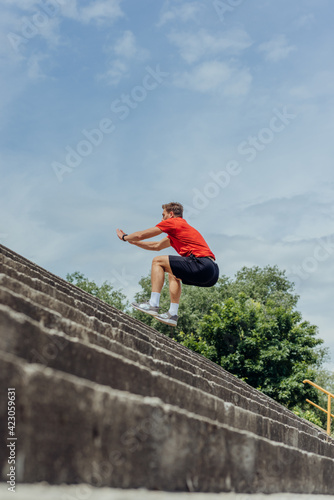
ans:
(195, 264)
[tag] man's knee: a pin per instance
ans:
(161, 260)
(158, 260)
(171, 277)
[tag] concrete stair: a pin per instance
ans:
(103, 399)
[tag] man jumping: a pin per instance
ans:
(195, 264)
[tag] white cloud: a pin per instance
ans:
(186, 12)
(127, 51)
(34, 69)
(271, 218)
(100, 11)
(318, 86)
(194, 46)
(25, 21)
(305, 21)
(118, 69)
(30, 21)
(276, 49)
(239, 84)
(22, 24)
(126, 47)
(22, 4)
(215, 76)
(300, 92)
(205, 77)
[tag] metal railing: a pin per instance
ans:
(328, 411)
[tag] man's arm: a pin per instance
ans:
(139, 235)
(153, 245)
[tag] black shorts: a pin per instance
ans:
(197, 271)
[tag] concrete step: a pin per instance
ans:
(70, 430)
(24, 338)
(42, 491)
(216, 386)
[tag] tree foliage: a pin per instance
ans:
(264, 284)
(267, 345)
(105, 292)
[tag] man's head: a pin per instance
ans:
(172, 210)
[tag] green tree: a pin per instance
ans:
(264, 284)
(104, 292)
(267, 345)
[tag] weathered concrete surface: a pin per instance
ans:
(103, 399)
(71, 430)
(86, 492)
(200, 373)
(28, 340)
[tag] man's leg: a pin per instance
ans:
(174, 289)
(160, 266)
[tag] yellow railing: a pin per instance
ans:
(328, 411)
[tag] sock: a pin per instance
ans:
(155, 299)
(173, 309)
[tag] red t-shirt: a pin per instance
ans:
(184, 238)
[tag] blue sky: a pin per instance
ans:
(111, 108)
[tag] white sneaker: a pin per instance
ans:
(168, 319)
(146, 308)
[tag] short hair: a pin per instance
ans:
(174, 207)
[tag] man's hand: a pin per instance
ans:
(120, 233)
